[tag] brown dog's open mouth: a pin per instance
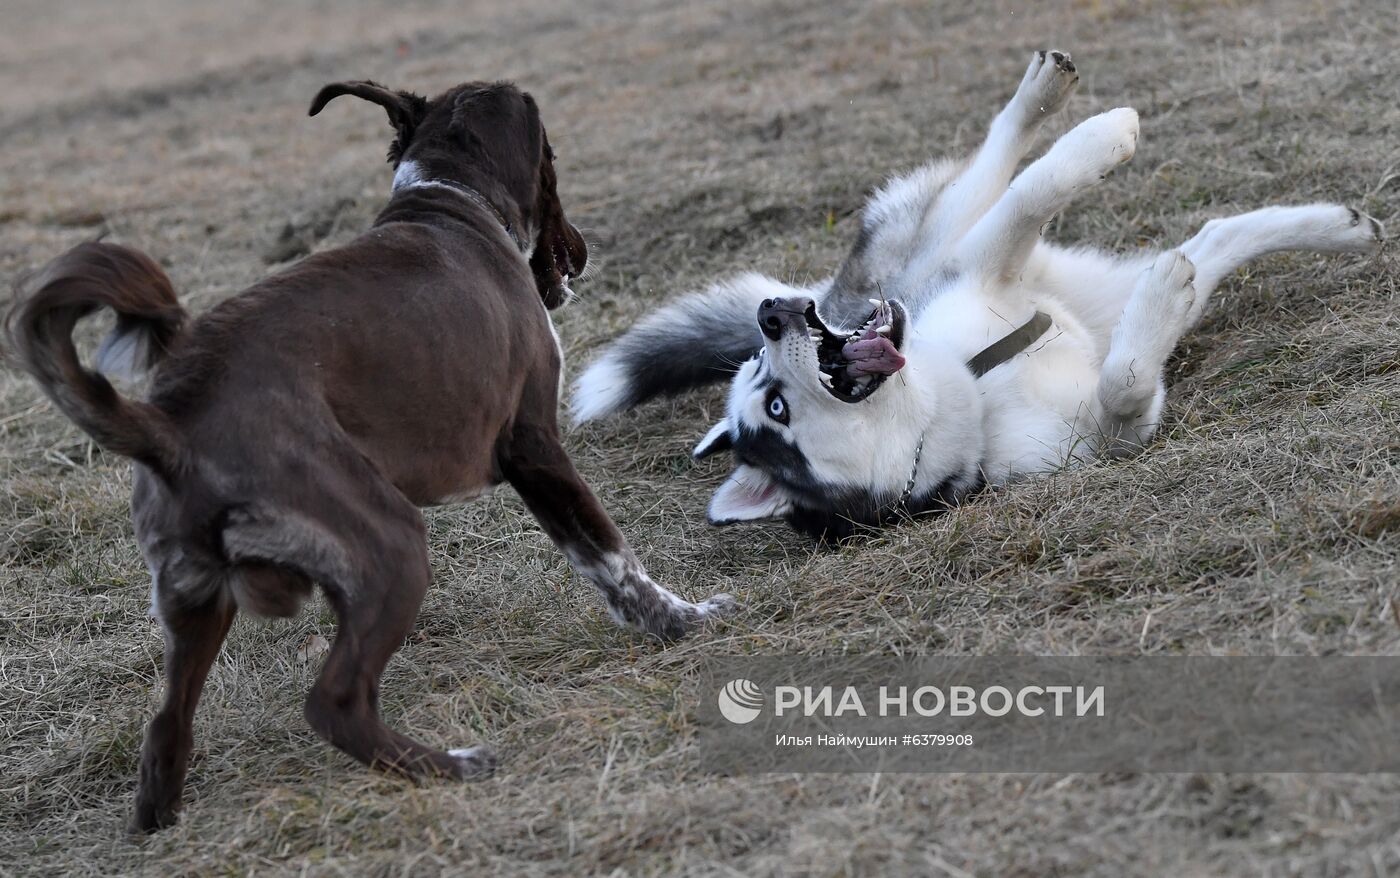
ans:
(853, 366)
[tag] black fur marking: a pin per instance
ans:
(831, 513)
(849, 512)
(694, 355)
(765, 449)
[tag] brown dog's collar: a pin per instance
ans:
(472, 195)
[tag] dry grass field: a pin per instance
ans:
(699, 137)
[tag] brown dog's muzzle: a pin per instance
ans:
(570, 251)
(560, 253)
(560, 256)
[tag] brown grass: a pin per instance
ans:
(698, 138)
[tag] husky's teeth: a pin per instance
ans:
(824, 378)
(876, 302)
(883, 329)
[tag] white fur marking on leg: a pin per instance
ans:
(558, 346)
(622, 575)
(476, 761)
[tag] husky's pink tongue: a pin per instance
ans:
(873, 354)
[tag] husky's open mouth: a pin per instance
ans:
(853, 366)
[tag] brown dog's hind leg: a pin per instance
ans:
(193, 635)
(540, 471)
(376, 613)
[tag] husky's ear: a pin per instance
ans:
(715, 441)
(748, 495)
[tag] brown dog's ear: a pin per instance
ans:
(405, 109)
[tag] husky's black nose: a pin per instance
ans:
(774, 314)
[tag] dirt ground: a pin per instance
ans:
(697, 138)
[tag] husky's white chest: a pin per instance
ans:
(1038, 404)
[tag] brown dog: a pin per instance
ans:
(292, 431)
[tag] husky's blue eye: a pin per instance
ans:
(777, 409)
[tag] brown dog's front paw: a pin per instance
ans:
(477, 763)
(688, 617)
(718, 605)
(151, 816)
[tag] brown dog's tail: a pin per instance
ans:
(149, 319)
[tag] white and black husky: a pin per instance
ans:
(981, 353)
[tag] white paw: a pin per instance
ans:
(1170, 291)
(1172, 270)
(718, 605)
(1099, 144)
(1157, 314)
(1047, 85)
(476, 762)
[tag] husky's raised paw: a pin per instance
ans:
(1094, 147)
(1047, 85)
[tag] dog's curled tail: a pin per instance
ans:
(698, 339)
(149, 318)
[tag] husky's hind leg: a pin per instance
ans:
(1223, 245)
(997, 247)
(1130, 389)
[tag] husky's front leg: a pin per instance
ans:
(1044, 91)
(997, 247)
(1130, 389)
(912, 223)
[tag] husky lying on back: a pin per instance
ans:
(981, 353)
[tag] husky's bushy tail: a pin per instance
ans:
(699, 339)
(149, 319)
